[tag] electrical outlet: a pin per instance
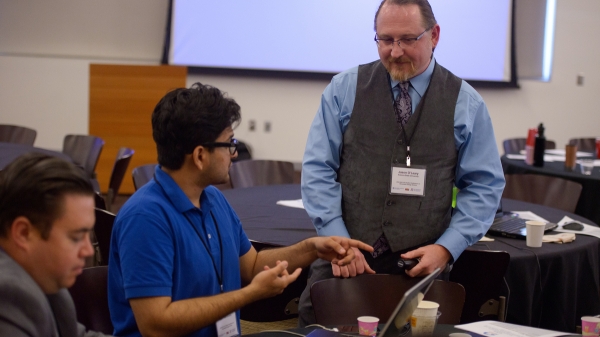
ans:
(267, 126)
(580, 79)
(252, 125)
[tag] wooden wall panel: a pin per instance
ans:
(122, 98)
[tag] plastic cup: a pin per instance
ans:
(423, 325)
(587, 165)
(590, 326)
(367, 325)
(459, 334)
(535, 233)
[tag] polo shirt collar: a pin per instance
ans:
(421, 81)
(175, 194)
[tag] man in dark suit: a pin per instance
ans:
(46, 216)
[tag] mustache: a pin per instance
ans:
(401, 59)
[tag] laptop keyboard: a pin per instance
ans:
(510, 226)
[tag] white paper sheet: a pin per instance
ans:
(527, 215)
(291, 203)
(501, 329)
(587, 229)
(562, 152)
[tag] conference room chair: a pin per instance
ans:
(102, 231)
(543, 190)
(90, 295)
(481, 273)
(584, 144)
(116, 176)
(515, 145)
(248, 173)
(84, 150)
(142, 175)
(278, 308)
(339, 301)
(17, 134)
(244, 151)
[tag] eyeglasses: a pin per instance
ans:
(231, 145)
(405, 41)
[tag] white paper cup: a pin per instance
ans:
(427, 309)
(423, 325)
(459, 334)
(535, 233)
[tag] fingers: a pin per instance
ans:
(336, 270)
(360, 245)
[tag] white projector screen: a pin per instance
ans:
(329, 36)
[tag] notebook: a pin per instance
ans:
(511, 226)
(400, 316)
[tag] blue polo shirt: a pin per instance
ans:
(160, 247)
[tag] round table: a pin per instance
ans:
(11, 151)
(550, 287)
(589, 200)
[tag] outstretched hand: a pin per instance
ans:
(341, 251)
(358, 266)
(430, 256)
(272, 281)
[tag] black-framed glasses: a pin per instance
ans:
(231, 145)
(405, 41)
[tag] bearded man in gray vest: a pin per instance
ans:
(389, 141)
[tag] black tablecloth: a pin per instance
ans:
(441, 330)
(11, 151)
(555, 295)
(589, 201)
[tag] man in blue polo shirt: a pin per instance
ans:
(179, 256)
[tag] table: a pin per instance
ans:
(555, 295)
(589, 201)
(11, 151)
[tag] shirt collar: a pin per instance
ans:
(421, 81)
(175, 194)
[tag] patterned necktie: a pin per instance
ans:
(403, 104)
(403, 109)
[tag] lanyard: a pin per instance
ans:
(214, 264)
(219, 275)
(406, 140)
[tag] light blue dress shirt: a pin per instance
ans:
(479, 174)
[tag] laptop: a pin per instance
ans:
(397, 322)
(509, 225)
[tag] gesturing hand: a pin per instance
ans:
(358, 266)
(272, 281)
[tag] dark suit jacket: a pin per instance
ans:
(26, 311)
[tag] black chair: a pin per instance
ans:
(84, 150)
(142, 175)
(102, 231)
(90, 295)
(543, 190)
(584, 144)
(340, 301)
(244, 151)
(248, 173)
(515, 145)
(481, 272)
(278, 308)
(118, 172)
(17, 134)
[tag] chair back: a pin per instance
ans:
(103, 230)
(84, 150)
(90, 295)
(248, 173)
(543, 190)
(584, 144)
(340, 301)
(481, 272)
(515, 145)
(118, 172)
(244, 152)
(142, 175)
(17, 134)
(281, 307)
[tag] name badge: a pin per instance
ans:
(408, 180)
(227, 326)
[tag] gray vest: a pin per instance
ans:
(373, 141)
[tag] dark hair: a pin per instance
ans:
(34, 186)
(186, 118)
(426, 11)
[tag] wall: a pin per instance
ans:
(44, 80)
